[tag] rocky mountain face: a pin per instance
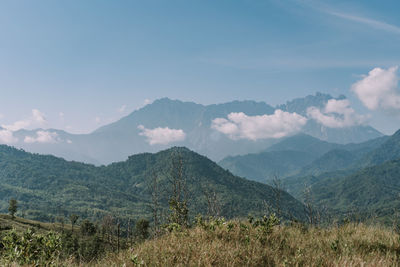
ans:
(186, 124)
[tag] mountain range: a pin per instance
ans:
(165, 123)
(302, 155)
(47, 187)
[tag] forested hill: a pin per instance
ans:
(47, 186)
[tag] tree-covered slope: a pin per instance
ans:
(46, 186)
(300, 155)
(389, 150)
(372, 190)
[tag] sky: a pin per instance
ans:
(76, 65)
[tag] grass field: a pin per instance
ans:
(245, 243)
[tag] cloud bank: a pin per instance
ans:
(37, 118)
(336, 114)
(162, 136)
(379, 89)
(240, 126)
(42, 137)
(7, 137)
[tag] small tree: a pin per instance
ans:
(142, 229)
(12, 208)
(73, 218)
(277, 188)
(178, 202)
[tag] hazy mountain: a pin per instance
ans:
(47, 186)
(263, 167)
(370, 190)
(190, 121)
(285, 158)
(301, 155)
(304, 143)
(355, 134)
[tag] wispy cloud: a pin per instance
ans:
(374, 23)
(122, 109)
(380, 25)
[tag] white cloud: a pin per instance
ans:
(379, 89)
(97, 119)
(277, 125)
(38, 116)
(162, 136)
(336, 114)
(42, 137)
(1, 115)
(122, 109)
(36, 119)
(69, 141)
(7, 137)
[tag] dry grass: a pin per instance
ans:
(21, 224)
(241, 244)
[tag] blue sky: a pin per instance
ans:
(81, 62)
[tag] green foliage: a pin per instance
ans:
(30, 247)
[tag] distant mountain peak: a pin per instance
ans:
(300, 105)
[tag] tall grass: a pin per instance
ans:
(237, 243)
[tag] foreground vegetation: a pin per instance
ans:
(263, 242)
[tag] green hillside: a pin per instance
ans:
(389, 150)
(263, 167)
(373, 190)
(47, 187)
(301, 155)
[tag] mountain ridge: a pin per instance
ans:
(46, 186)
(118, 140)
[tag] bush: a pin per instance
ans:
(30, 248)
(88, 228)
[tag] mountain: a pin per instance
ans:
(389, 150)
(355, 134)
(263, 167)
(47, 186)
(300, 156)
(371, 191)
(368, 180)
(182, 123)
(336, 159)
(304, 143)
